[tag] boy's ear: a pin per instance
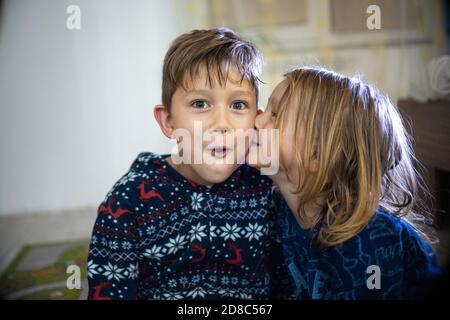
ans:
(162, 116)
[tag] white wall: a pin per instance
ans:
(76, 106)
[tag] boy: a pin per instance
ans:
(190, 229)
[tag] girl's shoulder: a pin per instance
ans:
(387, 227)
(385, 224)
(386, 230)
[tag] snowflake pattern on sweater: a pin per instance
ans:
(160, 236)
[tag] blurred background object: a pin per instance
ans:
(76, 106)
(433, 82)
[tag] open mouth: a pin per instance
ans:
(219, 152)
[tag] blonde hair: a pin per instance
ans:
(365, 158)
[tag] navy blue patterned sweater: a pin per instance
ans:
(406, 264)
(161, 236)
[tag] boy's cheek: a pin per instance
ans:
(244, 126)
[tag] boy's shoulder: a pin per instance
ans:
(148, 168)
(147, 162)
(147, 165)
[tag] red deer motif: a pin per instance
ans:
(198, 248)
(107, 209)
(149, 194)
(97, 289)
(237, 260)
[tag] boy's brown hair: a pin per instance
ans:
(215, 50)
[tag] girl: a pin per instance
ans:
(348, 224)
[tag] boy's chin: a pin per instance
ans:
(215, 173)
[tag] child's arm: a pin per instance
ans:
(281, 285)
(113, 255)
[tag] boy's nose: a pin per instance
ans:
(259, 111)
(222, 122)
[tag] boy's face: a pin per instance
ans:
(217, 111)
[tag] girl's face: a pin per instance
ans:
(266, 121)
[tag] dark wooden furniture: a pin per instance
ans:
(430, 128)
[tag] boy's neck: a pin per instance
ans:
(187, 172)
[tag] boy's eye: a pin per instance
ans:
(200, 104)
(239, 105)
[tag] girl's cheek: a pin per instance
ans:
(287, 150)
(268, 124)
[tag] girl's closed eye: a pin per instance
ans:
(199, 104)
(239, 105)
